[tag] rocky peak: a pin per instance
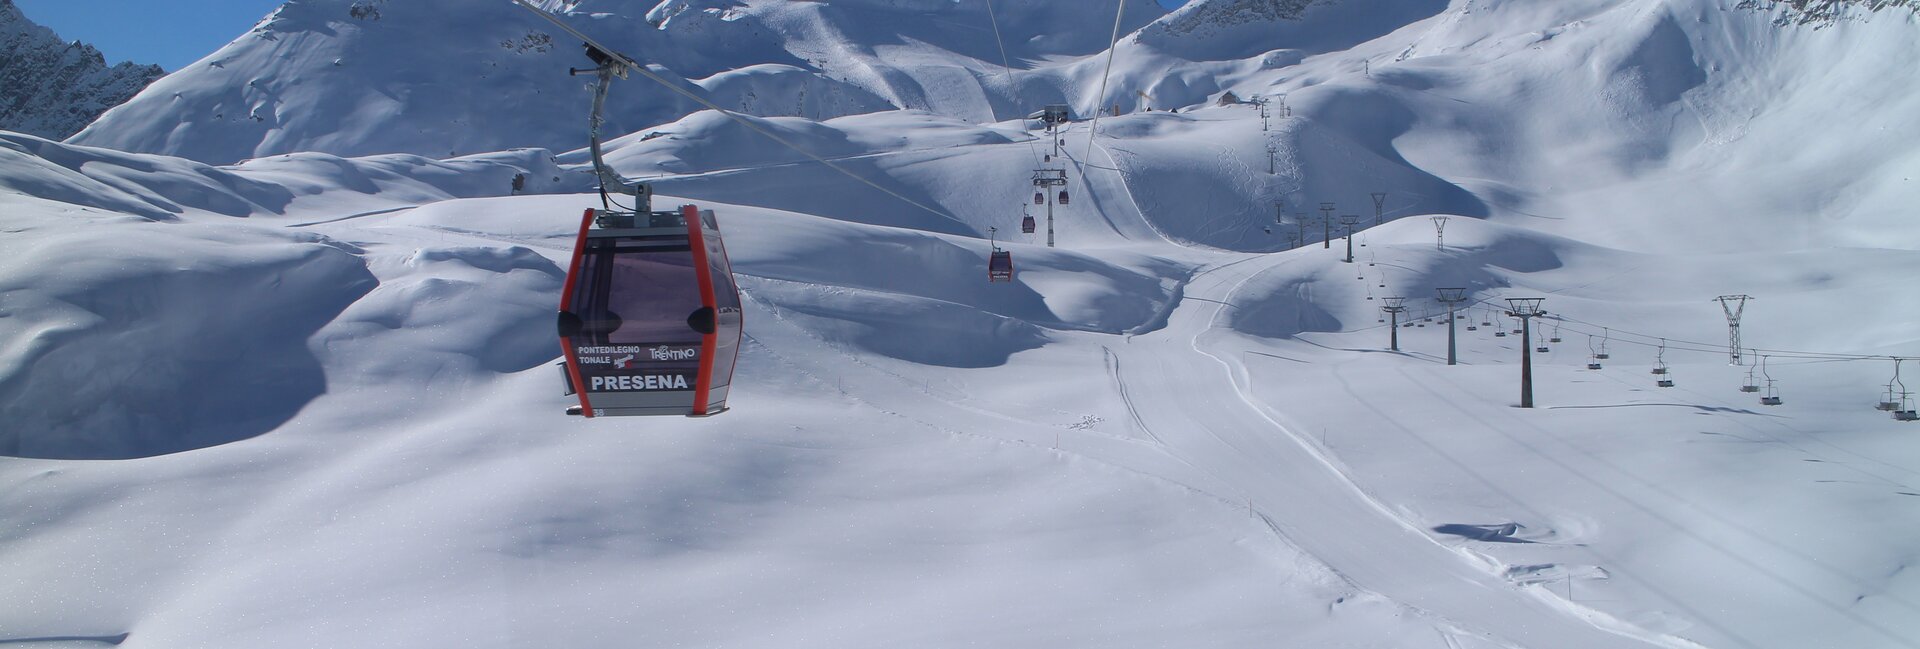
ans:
(52, 88)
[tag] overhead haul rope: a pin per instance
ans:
(1012, 88)
(636, 67)
(1112, 44)
(1607, 332)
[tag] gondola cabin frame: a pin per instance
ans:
(650, 318)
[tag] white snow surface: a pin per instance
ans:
(300, 392)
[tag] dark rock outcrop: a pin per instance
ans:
(53, 88)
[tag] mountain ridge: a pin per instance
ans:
(53, 88)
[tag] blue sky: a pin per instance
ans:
(171, 34)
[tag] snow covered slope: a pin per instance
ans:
(308, 399)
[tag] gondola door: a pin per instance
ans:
(650, 318)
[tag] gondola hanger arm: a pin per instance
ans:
(628, 63)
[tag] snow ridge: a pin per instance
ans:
(1823, 12)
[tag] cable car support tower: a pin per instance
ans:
(1044, 180)
(1733, 305)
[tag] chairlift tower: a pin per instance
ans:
(1044, 180)
(1440, 231)
(1379, 206)
(1271, 150)
(1349, 220)
(1450, 297)
(1326, 226)
(1733, 305)
(1053, 115)
(1394, 307)
(1526, 309)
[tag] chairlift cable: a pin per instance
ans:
(1707, 347)
(1719, 348)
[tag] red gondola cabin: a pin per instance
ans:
(1000, 266)
(650, 319)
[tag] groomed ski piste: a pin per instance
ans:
(310, 400)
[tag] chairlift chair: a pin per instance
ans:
(1773, 396)
(1593, 365)
(1499, 334)
(650, 317)
(1895, 398)
(1665, 383)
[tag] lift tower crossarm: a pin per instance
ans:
(1733, 305)
(1394, 307)
(1526, 309)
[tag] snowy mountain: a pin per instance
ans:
(447, 77)
(289, 381)
(53, 88)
